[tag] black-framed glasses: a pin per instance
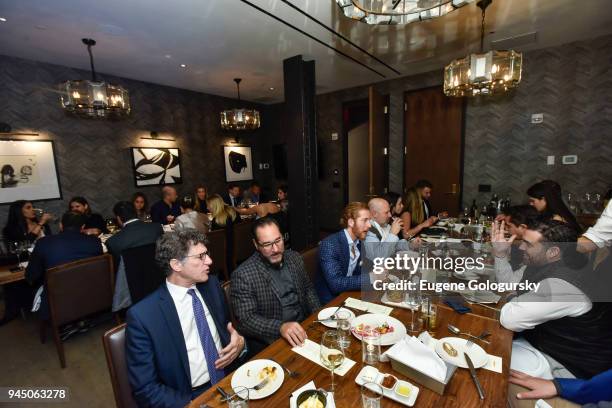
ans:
(267, 245)
(202, 256)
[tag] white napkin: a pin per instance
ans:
(23, 264)
(367, 306)
(413, 353)
(306, 387)
(312, 351)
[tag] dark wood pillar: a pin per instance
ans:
(301, 138)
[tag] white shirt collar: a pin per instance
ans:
(349, 239)
(130, 221)
(178, 292)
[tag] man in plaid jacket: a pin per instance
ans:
(271, 291)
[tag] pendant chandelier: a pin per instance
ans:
(240, 119)
(397, 11)
(94, 99)
(485, 73)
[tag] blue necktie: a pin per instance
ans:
(210, 351)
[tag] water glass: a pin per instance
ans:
(370, 347)
(240, 398)
(343, 325)
(371, 395)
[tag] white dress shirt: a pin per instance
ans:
(195, 351)
(353, 259)
(601, 232)
(554, 299)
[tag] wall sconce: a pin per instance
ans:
(153, 135)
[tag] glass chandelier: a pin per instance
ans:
(397, 11)
(485, 73)
(240, 119)
(94, 99)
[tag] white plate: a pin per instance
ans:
(248, 376)
(477, 354)
(327, 312)
(375, 320)
(528, 360)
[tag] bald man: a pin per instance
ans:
(382, 239)
(167, 209)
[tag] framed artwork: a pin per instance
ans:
(28, 170)
(238, 163)
(156, 166)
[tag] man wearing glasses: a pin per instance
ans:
(271, 291)
(179, 339)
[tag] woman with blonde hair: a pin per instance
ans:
(223, 216)
(414, 215)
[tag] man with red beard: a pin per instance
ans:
(340, 254)
(271, 292)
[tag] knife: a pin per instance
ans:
(468, 360)
(224, 394)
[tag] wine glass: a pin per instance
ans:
(413, 301)
(18, 248)
(332, 353)
(111, 225)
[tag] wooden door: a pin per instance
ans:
(378, 141)
(434, 145)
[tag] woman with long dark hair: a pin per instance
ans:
(546, 197)
(141, 205)
(95, 224)
(23, 224)
(396, 204)
(201, 194)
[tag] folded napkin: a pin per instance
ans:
(312, 351)
(411, 352)
(367, 306)
(458, 306)
(310, 386)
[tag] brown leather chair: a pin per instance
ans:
(75, 290)
(242, 242)
(114, 348)
(311, 262)
(226, 286)
(217, 248)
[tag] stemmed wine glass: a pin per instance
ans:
(332, 353)
(18, 248)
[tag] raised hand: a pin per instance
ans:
(501, 245)
(232, 350)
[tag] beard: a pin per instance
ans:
(275, 265)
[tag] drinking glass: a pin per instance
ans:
(38, 212)
(343, 325)
(332, 353)
(240, 398)
(370, 347)
(429, 314)
(371, 395)
(111, 225)
(413, 301)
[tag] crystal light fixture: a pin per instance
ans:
(240, 119)
(397, 11)
(485, 73)
(94, 99)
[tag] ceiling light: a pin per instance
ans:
(3, 19)
(183, 66)
(485, 73)
(271, 88)
(240, 119)
(94, 99)
(397, 11)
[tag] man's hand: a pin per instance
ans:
(232, 350)
(294, 333)
(397, 226)
(500, 244)
(539, 387)
(170, 218)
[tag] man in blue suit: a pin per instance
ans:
(179, 339)
(340, 254)
(53, 250)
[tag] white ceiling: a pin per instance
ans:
(223, 39)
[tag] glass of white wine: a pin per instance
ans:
(332, 353)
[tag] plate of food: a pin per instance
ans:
(451, 349)
(390, 329)
(254, 372)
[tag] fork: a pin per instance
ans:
(261, 384)
(290, 373)
(484, 334)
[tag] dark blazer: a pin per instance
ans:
(334, 259)
(157, 362)
(237, 200)
(134, 234)
(160, 210)
(56, 250)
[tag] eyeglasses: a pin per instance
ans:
(267, 245)
(202, 256)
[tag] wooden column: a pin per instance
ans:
(301, 138)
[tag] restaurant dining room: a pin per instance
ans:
(306, 204)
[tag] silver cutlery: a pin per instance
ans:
(456, 331)
(481, 304)
(290, 373)
(468, 360)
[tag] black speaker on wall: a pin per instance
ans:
(279, 153)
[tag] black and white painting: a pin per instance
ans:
(156, 166)
(238, 163)
(28, 171)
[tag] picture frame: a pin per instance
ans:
(28, 171)
(238, 162)
(156, 166)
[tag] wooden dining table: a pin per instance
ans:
(8, 276)
(460, 391)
